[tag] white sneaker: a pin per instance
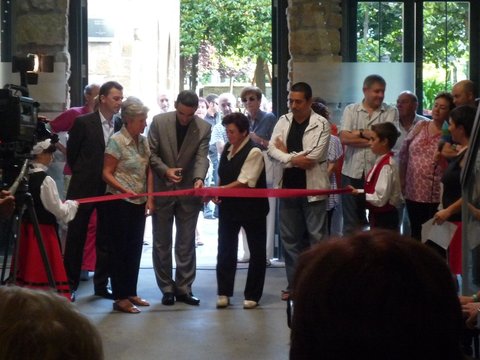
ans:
(222, 301)
(249, 304)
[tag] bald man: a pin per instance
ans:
(464, 93)
(407, 104)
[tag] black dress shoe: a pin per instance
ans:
(188, 299)
(105, 293)
(168, 299)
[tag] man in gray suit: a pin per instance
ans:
(179, 146)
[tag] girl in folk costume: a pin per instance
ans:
(382, 183)
(49, 208)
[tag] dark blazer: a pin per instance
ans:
(192, 156)
(85, 152)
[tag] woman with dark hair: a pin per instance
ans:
(421, 168)
(374, 295)
(241, 166)
(460, 128)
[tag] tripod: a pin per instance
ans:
(24, 201)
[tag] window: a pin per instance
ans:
(446, 47)
(380, 32)
(437, 36)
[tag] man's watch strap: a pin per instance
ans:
(196, 179)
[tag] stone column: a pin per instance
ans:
(40, 27)
(314, 42)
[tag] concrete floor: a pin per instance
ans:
(189, 332)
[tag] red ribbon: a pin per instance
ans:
(210, 192)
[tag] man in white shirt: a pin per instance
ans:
(355, 136)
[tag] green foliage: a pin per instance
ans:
(379, 31)
(445, 32)
(445, 35)
(237, 30)
(431, 88)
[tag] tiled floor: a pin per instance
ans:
(190, 332)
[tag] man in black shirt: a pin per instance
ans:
(300, 143)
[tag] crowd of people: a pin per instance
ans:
(394, 161)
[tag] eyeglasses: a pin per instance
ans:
(251, 98)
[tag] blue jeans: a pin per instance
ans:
(302, 224)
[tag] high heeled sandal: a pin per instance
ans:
(125, 306)
(137, 300)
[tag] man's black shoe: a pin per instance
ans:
(168, 299)
(188, 299)
(105, 293)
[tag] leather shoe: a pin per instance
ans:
(188, 299)
(105, 293)
(125, 306)
(168, 299)
(137, 300)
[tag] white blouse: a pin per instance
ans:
(63, 211)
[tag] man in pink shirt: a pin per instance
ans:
(64, 121)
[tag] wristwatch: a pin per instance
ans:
(361, 133)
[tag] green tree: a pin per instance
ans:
(446, 37)
(236, 29)
(379, 32)
(445, 32)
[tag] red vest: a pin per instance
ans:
(369, 187)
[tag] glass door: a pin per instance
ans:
(471, 214)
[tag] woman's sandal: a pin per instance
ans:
(125, 306)
(137, 300)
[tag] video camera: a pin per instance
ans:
(20, 129)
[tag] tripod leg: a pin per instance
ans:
(38, 234)
(7, 230)
(16, 223)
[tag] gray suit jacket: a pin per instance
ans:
(192, 156)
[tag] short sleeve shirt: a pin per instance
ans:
(358, 161)
(263, 125)
(218, 134)
(131, 171)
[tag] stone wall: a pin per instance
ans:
(41, 27)
(314, 31)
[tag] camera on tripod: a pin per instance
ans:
(20, 127)
(20, 131)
